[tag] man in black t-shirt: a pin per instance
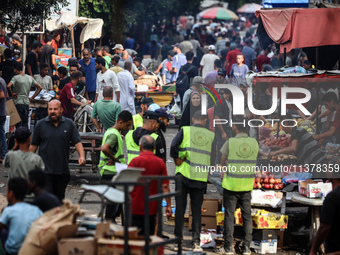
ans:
(7, 66)
(43, 199)
(32, 60)
(47, 55)
(328, 231)
(185, 68)
(224, 52)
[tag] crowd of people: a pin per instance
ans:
(193, 58)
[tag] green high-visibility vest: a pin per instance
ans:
(242, 157)
(195, 149)
(103, 161)
(137, 121)
(132, 147)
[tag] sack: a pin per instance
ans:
(176, 111)
(42, 237)
(149, 80)
(182, 82)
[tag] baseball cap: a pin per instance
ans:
(149, 115)
(211, 47)
(197, 80)
(147, 100)
(177, 45)
(222, 72)
(16, 37)
(163, 112)
(118, 46)
(171, 53)
(72, 61)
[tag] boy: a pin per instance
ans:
(43, 79)
(16, 217)
(20, 160)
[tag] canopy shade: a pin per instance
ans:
(249, 8)
(217, 13)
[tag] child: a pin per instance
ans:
(17, 217)
(20, 160)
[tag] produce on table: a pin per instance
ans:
(332, 150)
(283, 140)
(267, 181)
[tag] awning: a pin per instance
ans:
(300, 28)
(285, 3)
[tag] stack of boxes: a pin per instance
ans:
(208, 210)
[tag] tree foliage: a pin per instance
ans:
(20, 15)
(118, 15)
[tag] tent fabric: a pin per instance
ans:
(93, 28)
(299, 28)
(285, 3)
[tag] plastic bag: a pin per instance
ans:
(176, 111)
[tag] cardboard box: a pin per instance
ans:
(314, 188)
(12, 112)
(263, 219)
(116, 247)
(207, 222)
(264, 246)
(77, 246)
(209, 207)
(220, 218)
(264, 234)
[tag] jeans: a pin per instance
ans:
(196, 197)
(3, 143)
(91, 95)
(112, 210)
(23, 110)
(230, 199)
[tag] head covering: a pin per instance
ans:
(211, 47)
(150, 115)
(72, 61)
(222, 72)
(16, 37)
(198, 80)
(177, 45)
(118, 46)
(171, 53)
(163, 112)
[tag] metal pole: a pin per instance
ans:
(146, 218)
(316, 57)
(24, 51)
(284, 56)
(127, 220)
(317, 109)
(159, 209)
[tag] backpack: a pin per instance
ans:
(182, 82)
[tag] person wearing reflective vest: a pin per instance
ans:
(112, 152)
(150, 126)
(138, 118)
(193, 150)
(240, 153)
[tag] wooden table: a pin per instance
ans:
(162, 98)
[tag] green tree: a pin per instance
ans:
(19, 15)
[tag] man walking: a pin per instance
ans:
(32, 60)
(192, 146)
(89, 66)
(177, 61)
(22, 84)
(207, 62)
(56, 131)
(105, 77)
(127, 89)
(106, 110)
(239, 151)
(48, 54)
(249, 54)
(153, 166)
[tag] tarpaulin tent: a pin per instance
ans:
(285, 3)
(299, 28)
(92, 29)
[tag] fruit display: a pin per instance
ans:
(267, 181)
(283, 140)
(307, 125)
(332, 150)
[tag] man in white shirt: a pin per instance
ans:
(207, 62)
(106, 77)
(127, 89)
(43, 79)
